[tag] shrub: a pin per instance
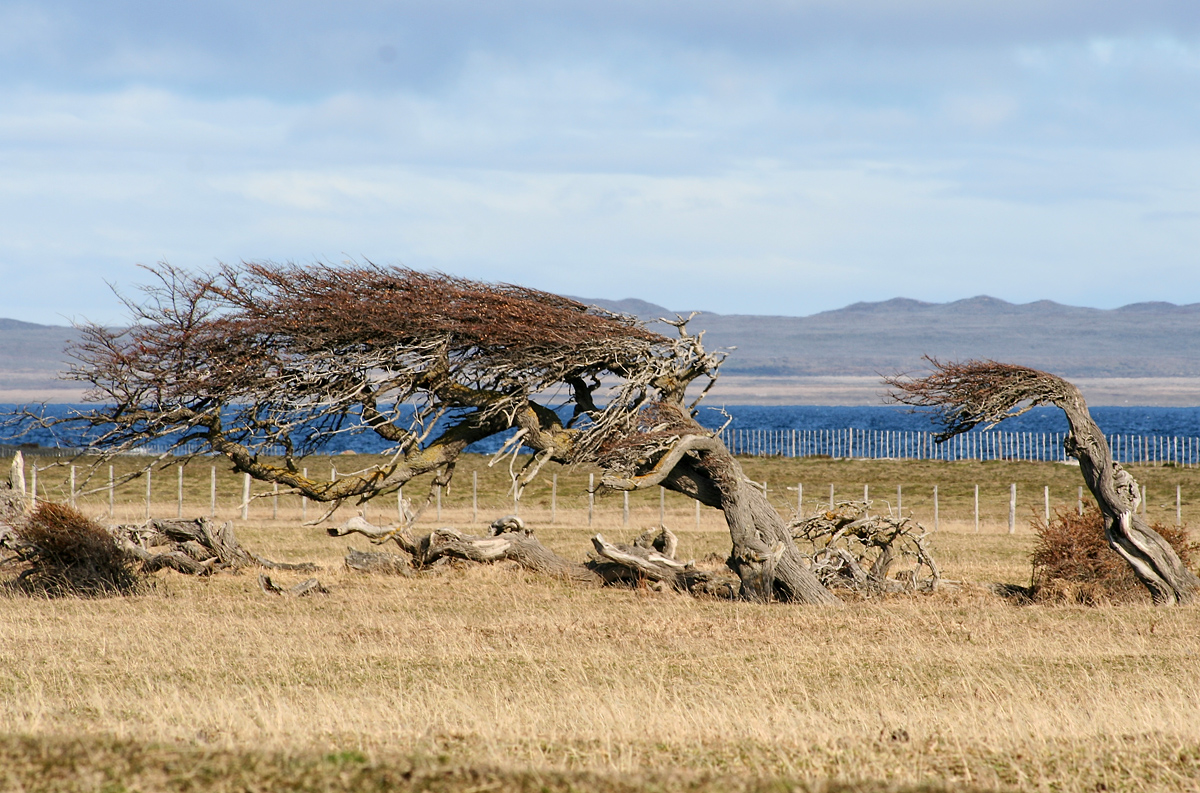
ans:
(68, 554)
(1072, 561)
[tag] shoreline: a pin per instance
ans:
(830, 391)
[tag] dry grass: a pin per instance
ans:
(487, 670)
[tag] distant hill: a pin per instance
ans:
(1138, 340)
(778, 359)
(31, 357)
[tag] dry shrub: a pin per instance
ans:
(1073, 563)
(68, 554)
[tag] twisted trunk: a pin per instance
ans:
(764, 555)
(1152, 558)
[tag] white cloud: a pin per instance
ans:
(778, 156)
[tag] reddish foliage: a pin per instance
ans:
(68, 554)
(1072, 560)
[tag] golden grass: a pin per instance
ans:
(490, 668)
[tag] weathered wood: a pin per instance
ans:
(193, 547)
(377, 562)
(309, 586)
(978, 392)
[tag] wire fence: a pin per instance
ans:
(982, 445)
(1174, 450)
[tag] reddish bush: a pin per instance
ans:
(1072, 561)
(68, 554)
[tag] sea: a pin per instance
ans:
(1157, 421)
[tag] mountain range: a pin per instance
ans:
(778, 359)
(866, 339)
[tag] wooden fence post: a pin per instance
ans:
(439, 502)
(1143, 501)
(899, 500)
(625, 509)
(1012, 508)
(935, 508)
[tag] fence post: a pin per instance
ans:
(799, 500)
(245, 496)
(474, 497)
(110, 491)
(439, 502)
(554, 498)
(831, 495)
(976, 509)
(1012, 508)
(212, 491)
(1143, 501)
(935, 508)
(625, 509)
(899, 500)
(591, 497)
(179, 493)
(71, 501)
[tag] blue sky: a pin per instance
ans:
(771, 157)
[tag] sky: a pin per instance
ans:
(752, 157)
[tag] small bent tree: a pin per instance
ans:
(986, 392)
(265, 357)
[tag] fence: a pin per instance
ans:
(982, 445)
(873, 445)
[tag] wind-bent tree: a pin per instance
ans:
(986, 392)
(261, 357)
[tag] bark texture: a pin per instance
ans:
(986, 392)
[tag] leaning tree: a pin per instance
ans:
(264, 363)
(986, 392)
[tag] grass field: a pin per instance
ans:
(488, 678)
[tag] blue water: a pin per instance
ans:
(1112, 420)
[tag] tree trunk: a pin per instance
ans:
(764, 555)
(1152, 558)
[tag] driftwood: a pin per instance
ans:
(855, 550)
(309, 586)
(649, 561)
(192, 547)
(377, 562)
